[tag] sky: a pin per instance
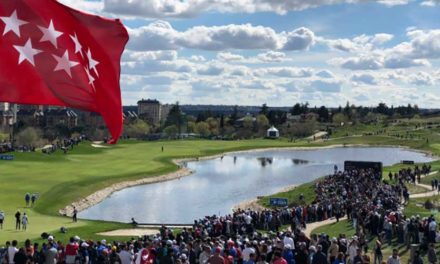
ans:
(278, 52)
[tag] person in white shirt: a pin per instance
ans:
(394, 259)
(2, 218)
(352, 249)
(125, 256)
(432, 231)
(205, 255)
(288, 240)
(247, 251)
(12, 249)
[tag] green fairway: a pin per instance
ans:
(61, 179)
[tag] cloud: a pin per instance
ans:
(88, 6)
(364, 78)
(299, 39)
(421, 79)
(326, 86)
(227, 56)
(358, 63)
(292, 72)
(165, 55)
(160, 35)
(361, 43)
(325, 74)
(423, 44)
(148, 66)
(231, 36)
(397, 63)
(192, 8)
(211, 70)
(430, 3)
(272, 56)
(377, 62)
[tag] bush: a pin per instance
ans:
(429, 205)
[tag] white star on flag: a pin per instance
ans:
(78, 46)
(90, 77)
(12, 23)
(92, 62)
(50, 34)
(27, 52)
(64, 63)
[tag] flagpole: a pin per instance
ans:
(14, 121)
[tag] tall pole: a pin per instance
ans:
(14, 121)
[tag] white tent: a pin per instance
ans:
(272, 132)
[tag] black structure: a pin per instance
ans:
(354, 165)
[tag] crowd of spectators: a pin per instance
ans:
(372, 205)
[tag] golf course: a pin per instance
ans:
(61, 179)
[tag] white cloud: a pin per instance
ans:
(361, 43)
(160, 35)
(358, 63)
(325, 74)
(191, 8)
(162, 55)
(299, 39)
(287, 72)
(88, 6)
(325, 86)
(212, 69)
(377, 62)
(272, 56)
(227, 56)
(364, 78)
(423, 44)
(397, 63)
(422, 79)
(430, 3)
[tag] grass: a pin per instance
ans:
(61, 179)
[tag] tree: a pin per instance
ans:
(30, 137)
(301, 130)
(248, 122)
(339, 118)
(264, 110)
(191, 127)
(296, 109)
(202, 128)
(138, 129)
(234, 116)
(175, 117)
(323, 114)
(171, 131)
(262, 123)
(213, 125)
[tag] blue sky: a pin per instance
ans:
(252, 52)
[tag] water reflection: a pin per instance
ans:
(299, 161)
(219, 184)
(265, 161)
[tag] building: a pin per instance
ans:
(65, 117)
(152, 111)
(272, 132)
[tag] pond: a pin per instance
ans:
(217, 185)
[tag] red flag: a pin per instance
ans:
(51, 54)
